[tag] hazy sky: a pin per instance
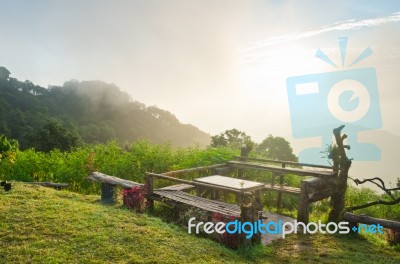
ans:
(214, 64)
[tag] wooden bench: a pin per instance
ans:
(180, 199)
(109, 183)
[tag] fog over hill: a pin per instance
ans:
(90, 111)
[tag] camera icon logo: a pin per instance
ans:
(320, 102)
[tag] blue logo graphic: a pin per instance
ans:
(320, 102)
(368, 229)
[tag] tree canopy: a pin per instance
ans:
(271, 147)
(87, 112)
(276, 148)
(232, 138)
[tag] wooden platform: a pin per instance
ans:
(176, 198)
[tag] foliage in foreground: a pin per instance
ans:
(130, 162)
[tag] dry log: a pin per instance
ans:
(354, 218)
(50, 184)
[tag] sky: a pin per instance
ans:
(215, 64)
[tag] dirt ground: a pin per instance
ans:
(273, 217)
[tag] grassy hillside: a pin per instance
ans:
(41, 225)
(84, 112)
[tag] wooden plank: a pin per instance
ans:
(317, 183)
(223, 170)
(283, 162)
(320, 195)
(178, 187)
(186, 196)
(354, 218)
(202, 203)
(300, 172)
(229, 182)
(206, 207)
(173, 173)
(103, 178)
(282, 188)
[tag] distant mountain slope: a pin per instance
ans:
(93, 110)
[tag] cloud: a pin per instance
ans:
(351, 24)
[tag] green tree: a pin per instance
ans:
(232, 138)
(54, 136)
(4, 73)
(276, 148)
(8, 149)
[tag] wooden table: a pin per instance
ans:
(231, 183)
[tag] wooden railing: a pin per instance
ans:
(283, 163)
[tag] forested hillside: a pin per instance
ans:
(84, 112)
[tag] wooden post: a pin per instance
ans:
(239, 199)
(150, 190)
(341, 165)
(303, 210)
(244, 152)
(258, 205)
(273, 178)
(198, 191)
(217, 195)
(246, 215)
(107, 193)
(281, 182)
(225, 194)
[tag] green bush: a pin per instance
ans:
(130, 162)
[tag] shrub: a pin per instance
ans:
(230, 240)
(134, 198)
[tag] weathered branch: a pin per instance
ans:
(49, 184)
(381, 185)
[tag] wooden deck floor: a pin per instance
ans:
(179, 197)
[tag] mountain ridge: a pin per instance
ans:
(93, 111)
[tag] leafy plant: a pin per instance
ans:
(230, 240)
(134, 198)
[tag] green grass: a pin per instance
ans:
(41, 225)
